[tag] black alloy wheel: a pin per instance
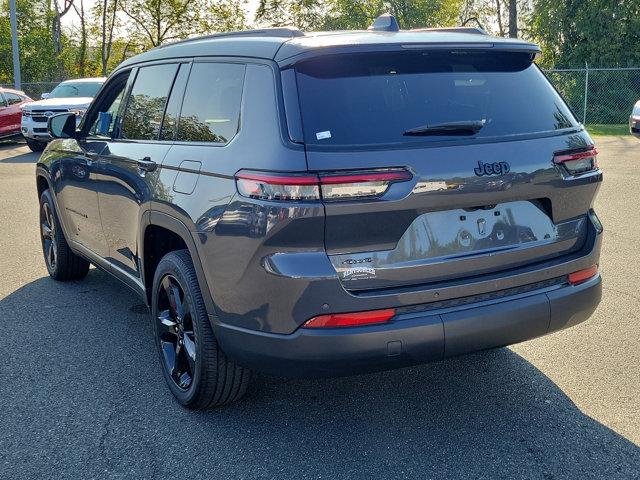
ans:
(62, 263)
(198, 373)
(175, 332)
(48, 235)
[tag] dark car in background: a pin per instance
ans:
(11, 103)
(328, 203)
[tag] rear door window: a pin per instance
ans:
(211, 106)
(172, 112)
(12, 98)
(374, 98)
(145, 108)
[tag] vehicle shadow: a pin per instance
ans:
(15, 151)
(82, 385)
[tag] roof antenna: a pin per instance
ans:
(385, 23)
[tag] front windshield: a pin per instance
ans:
(76, 89)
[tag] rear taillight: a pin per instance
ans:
(577, 161)
(342, 186)
(265, 186)
(354, 319)
(581, 276)
(329, 186)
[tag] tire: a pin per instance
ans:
(62, 264)
(197, 371)
(35, 145)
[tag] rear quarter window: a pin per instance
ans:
(211, 105)
(373, 98)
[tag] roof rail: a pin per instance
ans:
(473, 30)
(280, 32)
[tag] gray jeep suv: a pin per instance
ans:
(329, 203)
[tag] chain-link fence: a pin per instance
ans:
(596, 95)
(603, 96)
(34, 89)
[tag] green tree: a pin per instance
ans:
(348, 14)
(104, 24)
(161, 21)
(598, 32)
(223, 16)
(304, 14)
(38, 58)
(357, 14)
(82, 50)
(498, 17)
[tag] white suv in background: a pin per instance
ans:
(634, 120)
(68, 96)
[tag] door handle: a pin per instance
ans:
(146, 164)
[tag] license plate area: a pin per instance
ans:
(463, 242)
(461, 232)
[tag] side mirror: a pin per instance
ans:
(62, 125)
(44, 96)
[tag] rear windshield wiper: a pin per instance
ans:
(451, 128)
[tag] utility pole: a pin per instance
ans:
(586, 92)
(513, 19)
(14, 45)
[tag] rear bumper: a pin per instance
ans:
(412, 337)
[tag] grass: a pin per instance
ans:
(608, 129)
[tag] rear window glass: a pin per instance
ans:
(365, 99)
(211, 106)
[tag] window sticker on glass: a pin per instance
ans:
(323, 135)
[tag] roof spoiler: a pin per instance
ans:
(472, 30)
(388, 23)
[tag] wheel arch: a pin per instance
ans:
(42, 181)
(42, 184)
(175, 236)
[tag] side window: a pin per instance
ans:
(12, 98)
(211, 106)
(106, 118)
(170, 121)
(143, 115)
(3, 102)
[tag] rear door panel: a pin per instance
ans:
(127, 184)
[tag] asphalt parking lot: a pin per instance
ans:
(82, 395)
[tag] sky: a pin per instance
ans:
(71, 19)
